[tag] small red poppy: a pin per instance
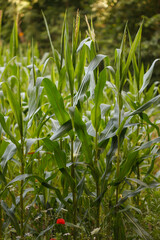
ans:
(60, 221)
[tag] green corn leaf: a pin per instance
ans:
(62, 79)
(42, 122)
(14, 40)
(120, 59)
(118, 67)
(34, 96)
(79, 71)
(145, 117)
(126, 167)
(82, 44)
(134, 62)
(80, 188)
(60, 157)
(133, 193)
(54, 52)
(8, 154)
(80, 128)
(96, 117)
(98, 97)
(123, 43)
(2, 178)
(22, 177)
(69, 68)
(49, 228)
(145, 106)
(147, 76)
(64, 38)
(32, 177)
(71, 225)
(75, 36)
(15, 107)
(119, 229)
(131, 159)
(68, 177)
(59, 154)
(6, 129)
(104, 109)
(5, 69)
(136, 180)
(46, 63)
(56, 101)
(48, 32)
(138, 229)
(148, 144)
(11, 216)
(65, 128)
(130, 56)
(92, 66)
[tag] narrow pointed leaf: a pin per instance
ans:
(82, 43)
(130, 56)
(81, 131)
(96, 112)
(65, 128)
(146, 106)
(60, 157)
(147, 76)
(48, 32)
(11, 215)
(15, 107)
(69, 68)
(92, 66)
(8, 154)
(59, 154)
(139, 230)
(56, 101)
(49, 228)
(5, 128)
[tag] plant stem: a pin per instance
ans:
(97, 182)
(116, 222)
(138, 177)
(138, 172)
(73, 191)
(73, 176)
(1, 233)
(21, 191)
(118, 155)
(22, 165)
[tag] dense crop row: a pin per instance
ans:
(79, 139)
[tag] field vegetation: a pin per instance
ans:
(79, 139)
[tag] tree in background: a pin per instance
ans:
(8, 14)
(109, 18)
(31, 20)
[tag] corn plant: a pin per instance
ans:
(79, 137)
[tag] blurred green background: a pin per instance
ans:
(109, 18)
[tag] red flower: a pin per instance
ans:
(52, 239)
(60, 221)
